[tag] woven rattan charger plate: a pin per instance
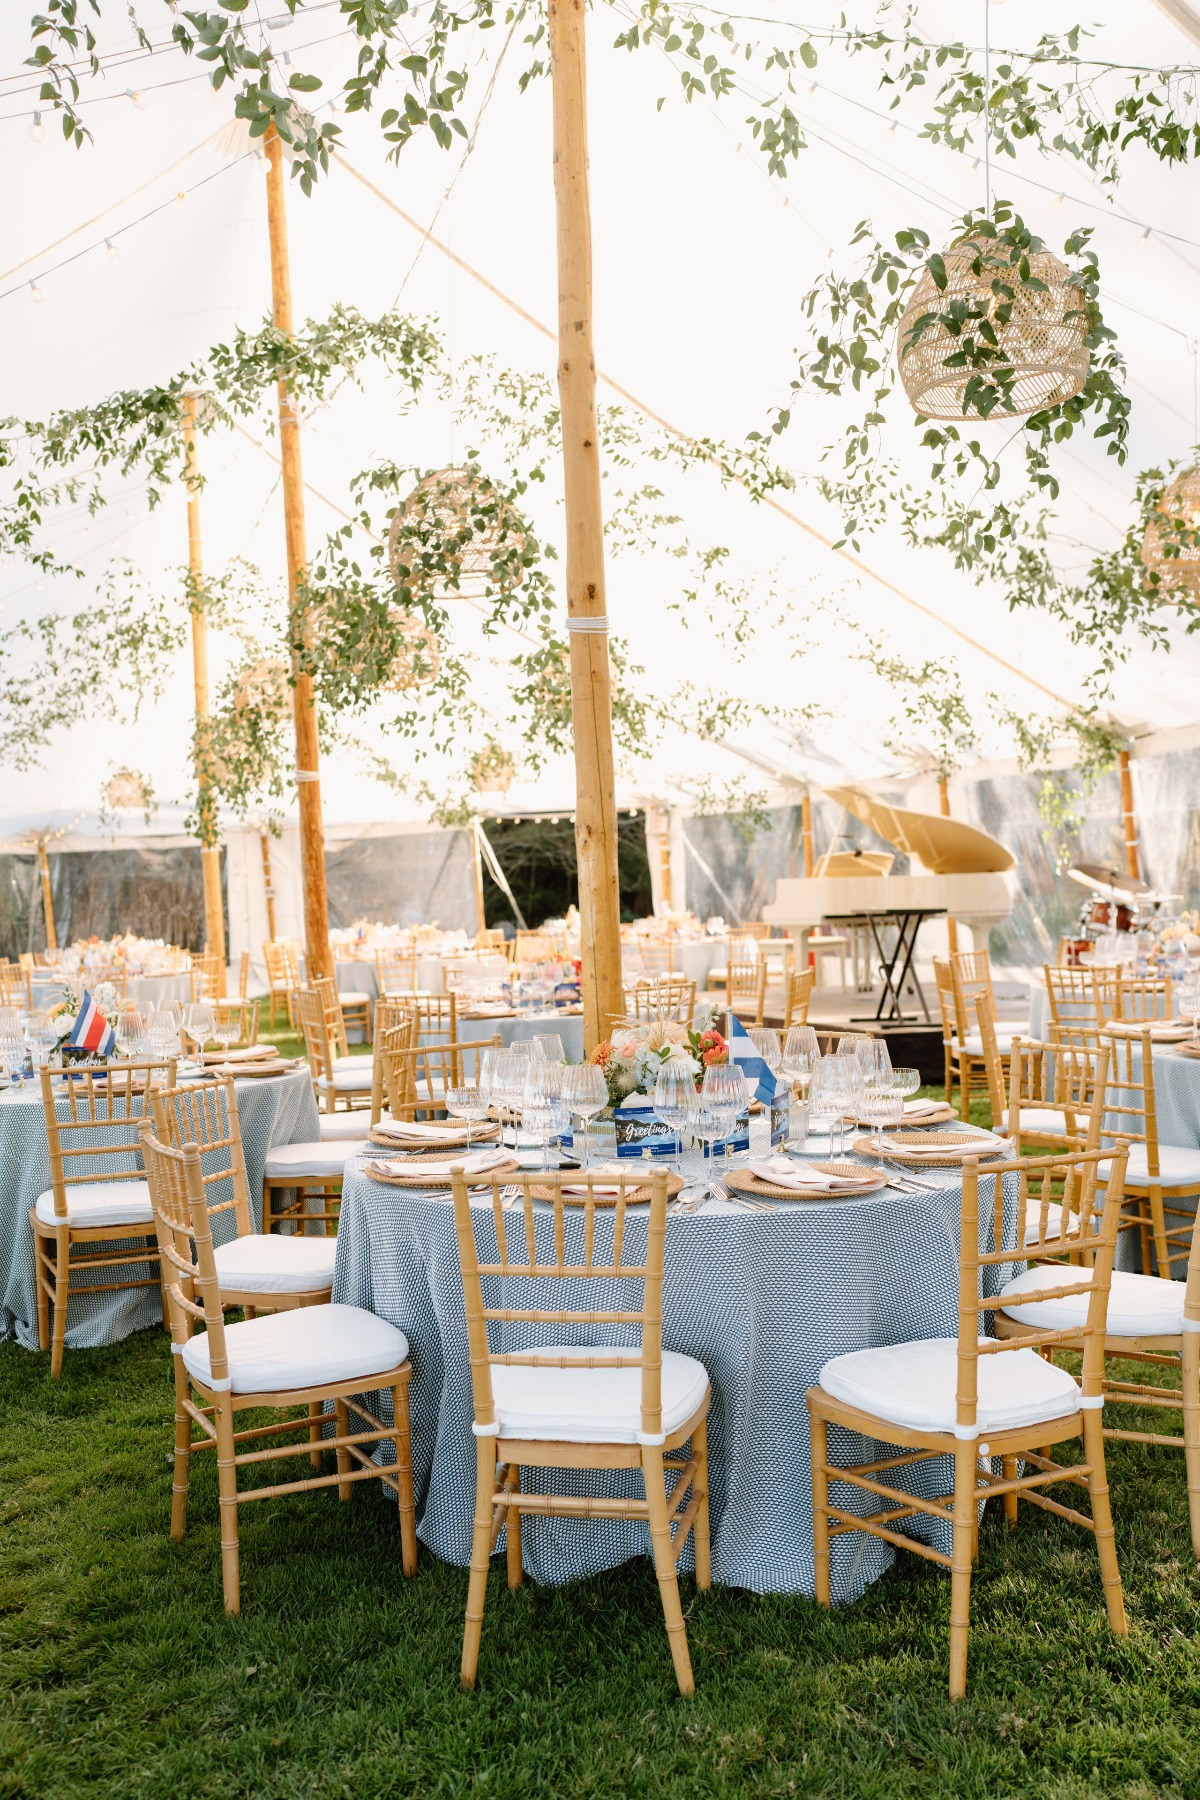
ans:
(456, 1140)
(634, 1196)
(744, 1181)
(942, 1116)
(1190, 1048)
(419, 1180)
(255, 1070)
(919, 1156)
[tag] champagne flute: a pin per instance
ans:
(674, 1088)
(725, 1090)
(586, 1092)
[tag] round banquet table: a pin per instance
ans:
(145, 990)
(761, 1299)
(1176, 1081)
(271, 1110)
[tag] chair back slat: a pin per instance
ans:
(797, 996)
(416, 1076)
(1143, 997)
(539, 1266)
(92, 1118)
(185, 1243)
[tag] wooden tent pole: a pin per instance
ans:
(47, 896)
(308, 780)
(1129, 816)
(587, 623)
(206, 808)
(806, 835)
(268, 886)
(477, 854)
(944, 803)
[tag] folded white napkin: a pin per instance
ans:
(987, 1144)
(580, 1186)
(478, 1163)
(420, 1130)
(917, 1109)
(782, 1173)
(251, 1053)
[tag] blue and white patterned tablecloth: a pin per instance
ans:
(569, 1028)
(761, 1299)
(279, 1110)
(1176, 1081)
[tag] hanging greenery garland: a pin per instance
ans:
(1171, 541)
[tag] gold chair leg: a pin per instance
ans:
(402, 1441)
(818, 1433)
(964, 1087)
(41, 1284)
(316, 1421)
(966, 1514)
(1191, 1430)
(664, 1565)
(182, 1468)
(1009, 1466)
(701, 1541)
(949, 1075)
(227, 1491)
(512, 1526)
(1161, 1253)
(62, 1294)
(342, 1419)
(1106, 1542)
(485, 1482)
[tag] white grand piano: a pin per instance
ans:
(966, 876)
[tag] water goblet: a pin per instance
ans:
(468, 1104)
(705, 1121)
(130, 1032)
(674, 1089)
(551, 1046)
(586, 1092)
(766, 1042)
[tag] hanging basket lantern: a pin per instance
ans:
(126, 791)
(455, 537)
(263, 687)
(1026, 341)
(493, 769)
(419, 661)
(1171, 544)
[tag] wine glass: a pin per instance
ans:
(200, 1024)
(466, 1103)
(514, 1074)
(876, 1062)
(766, 1042)
(1189, 999)
(42, 1037)
(905, 1082)
(130, 1032)
(705, 1121)
(801, 1053)
(227, 1026)
(586, 1093)
(879, 1108)
(674, 1089)
(852, 1043)
(725, 1090)
(12, 1049)
(837, 1089)
(163, 1033)
(551, 1046)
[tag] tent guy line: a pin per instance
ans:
(776, 506)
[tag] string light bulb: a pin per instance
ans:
(1056, 205)
(37, 131)
(1144, 239)
(113, 252)
(139, 99)
(180, 196)
(35, 293)
(974, 168)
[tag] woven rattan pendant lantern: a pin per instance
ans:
(262, 687)
(419, 661)
(455, 537)
(126, 791)
(493, 769)
(988, 325)
(1171, 545)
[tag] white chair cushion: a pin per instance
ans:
(1039, 1118)
(914, 1384)
(340, 1128)
(591, 1406)
(1006, 1031)
(1138, 1305)
(351, 998)
(1178, 1166)
(101, 1203)
(273, 1264)
(297, 1160)
(308, 1346)
(349, 1080)
(1033, 1223)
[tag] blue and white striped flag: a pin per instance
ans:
(743, 1052)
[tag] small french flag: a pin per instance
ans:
(91, 1030)
(743, 1052)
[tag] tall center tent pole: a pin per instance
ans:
(210, 854)
(587, 619)
(308, 777)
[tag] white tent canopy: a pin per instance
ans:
(699, 259)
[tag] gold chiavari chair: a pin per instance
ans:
(259, 1270)
(307, 1358)
(1151, 1320)
(489, 938)
(97, 1196)
(437, 1018)
(1160, 1177)
(415, 1079)
(531, 947)
(1142, 998)
(661, 997)
(16, 985)
(1020, 1108)
(1084, 996)
(658, 958)
(971, 974)
(283, 978)
(973, 1399)
(746, 979)
(797, 997)
(586, 1406)
(396, 972)
(396, 1028)
(208, 976)
(338, 1077)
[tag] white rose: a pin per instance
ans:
(63, 1024)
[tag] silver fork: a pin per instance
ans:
(510, 1194)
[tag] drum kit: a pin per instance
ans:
(1116, 902)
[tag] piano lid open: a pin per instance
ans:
(943, 846)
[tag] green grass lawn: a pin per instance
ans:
(119, 1674)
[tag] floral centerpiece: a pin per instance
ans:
(1182, 933)
(633, 1055)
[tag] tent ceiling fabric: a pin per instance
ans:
(699, 259)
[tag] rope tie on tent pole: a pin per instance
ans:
(598, 625)
(307, 774)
